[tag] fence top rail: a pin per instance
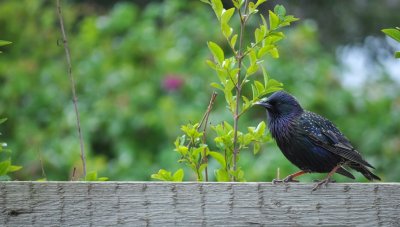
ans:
(60, 203)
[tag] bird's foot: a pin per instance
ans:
(325, 182)
(330, 181)
(286, 180)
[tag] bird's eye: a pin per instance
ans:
(272, 102)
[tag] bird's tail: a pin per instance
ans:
(364, 171)
(344, 172)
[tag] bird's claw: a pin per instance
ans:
(322, 182)
(286, 180)
(330, 181)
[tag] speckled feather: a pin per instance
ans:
(310, 141)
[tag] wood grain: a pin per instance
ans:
(197, 204)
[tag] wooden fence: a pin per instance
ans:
(197, 204)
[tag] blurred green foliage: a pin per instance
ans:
(6, 166)
(4, 43)
(393, 33)
(141, 73)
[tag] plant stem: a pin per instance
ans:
(238, 88)
(75, 99)
(204, 121)
(41, 164)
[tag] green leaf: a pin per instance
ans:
(217, 52)
(227, 15)
(202, 167)
(252, 69)
(273, 85)
(397, 54)
(191, 130)
(280, 10)
(196, 152)
(259, 2)
(42, 179)
(263, 50)
(259, 86)
(2, 120)
(217, 7)
(264, 22)
(219, 157)
(217, 86)
(256, 148)
(222, 175)
(233, 73)
(252, 56)
(287, 20)
(181, 149)
(275, 37)
(252, 8)
(102, 179)
(13, 168)
(273, 20)
(258, 35)
(178, 175)
(260, 129)
(206, 1)
(274, 52)
(265, 76)
(228, 94)
(91, 176)
(238, 174)
(238, 3)
(246, 103)
(392, 33)
(226, 30)
(233, 41)
(3, 42)
(163, 175)
(4, 165)
(211, 64)
(254, 92)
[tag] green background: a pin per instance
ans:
(125, 54)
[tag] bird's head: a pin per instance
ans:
(281, 104)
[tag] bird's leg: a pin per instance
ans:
(327, 179)
(290, 178)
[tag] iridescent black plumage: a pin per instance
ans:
(310, 141)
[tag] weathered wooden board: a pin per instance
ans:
(197, 204)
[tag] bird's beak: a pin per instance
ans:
(264, 104)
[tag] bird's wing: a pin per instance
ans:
(325, 134)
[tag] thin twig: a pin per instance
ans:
(278, 174)
(75, 99)
(205, 120)
(73, 174)
(41, 164)
(205, 116)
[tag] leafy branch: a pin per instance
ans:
(235, 70)
(72, 80)
(6, 166)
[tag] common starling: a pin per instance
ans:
(310, 141)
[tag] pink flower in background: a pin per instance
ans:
(172, 82)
